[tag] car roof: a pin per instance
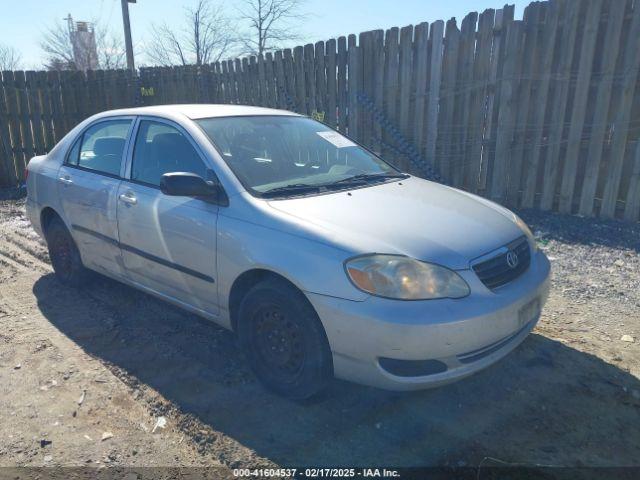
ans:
(196, 111)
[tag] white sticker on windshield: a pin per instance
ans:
(336, 139)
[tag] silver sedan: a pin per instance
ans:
(323, 258)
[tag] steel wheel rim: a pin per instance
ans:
(61, 256)
(279, 342)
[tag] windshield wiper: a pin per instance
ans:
(364, 178)
(291, 188)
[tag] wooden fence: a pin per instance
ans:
(541, 112)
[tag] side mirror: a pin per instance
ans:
(184, 184)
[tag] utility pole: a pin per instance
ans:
(127, 33)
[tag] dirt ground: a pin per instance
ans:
(85, 375)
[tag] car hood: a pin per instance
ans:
(413, 217)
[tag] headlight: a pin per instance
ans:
(403, 278)
(527, 231)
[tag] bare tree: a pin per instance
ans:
(111, 52)
(10, 58)
(206, 38)
(56, 44)
(270, 24)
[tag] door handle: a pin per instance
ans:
(66, 180)
(130, 199)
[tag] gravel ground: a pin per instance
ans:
(569, 395)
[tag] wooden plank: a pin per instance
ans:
(580, 102)
(301, 89)
(280, 86)
(174, 75)
(507, 110)
(447, 99)
(13, 111)
(377, 77)
(342, 84)
(463, 98)
(632, 203)
(320, 79)
(109, 88)
(81, 97)
(223, 71)
(25, 124)
(422, 87)
(503, 17)
(289, 80)
(477, 112)
(533, 15)
(35, 112)
(47, 117)
(130, 99)
(235, 66)
(100, 82)
(621, 116)
(602, 101)
(352, 79)
(540, 103)
(92, 93)
(239, 81)
(309, 77)
(246, 76)
(226, 85)
(390, 93)
(365, 88)
(262, 91)
(558, 112)
(270, 93)
(7, 163)
(435, 77)
(225, 94)
(53, 81)
(405, 69)
(331, 75)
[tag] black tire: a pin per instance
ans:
(64, 255)
(284, 341)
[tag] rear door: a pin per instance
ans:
(168, 243)
(88, 185)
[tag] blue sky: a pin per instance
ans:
(22, 24)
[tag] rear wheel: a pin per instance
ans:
(284, 340)
(64, 255)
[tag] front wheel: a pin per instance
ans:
(284, 340)
(64, 255)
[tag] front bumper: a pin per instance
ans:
(466, 335)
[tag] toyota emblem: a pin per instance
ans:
(512, 259)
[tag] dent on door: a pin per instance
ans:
(169, 244)
(89, 206)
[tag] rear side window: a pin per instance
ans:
(102, 146)
(160, 149)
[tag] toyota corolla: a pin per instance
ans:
(324, 259)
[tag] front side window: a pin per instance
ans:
(160, 149)
(102, 146)
(74, 154)
(273, 155)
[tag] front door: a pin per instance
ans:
(88, 184)
(168, 243)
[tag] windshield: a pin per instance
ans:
(287, 155)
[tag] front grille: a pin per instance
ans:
(496, 271)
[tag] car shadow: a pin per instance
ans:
(545, 403)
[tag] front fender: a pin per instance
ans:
(312, 266)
